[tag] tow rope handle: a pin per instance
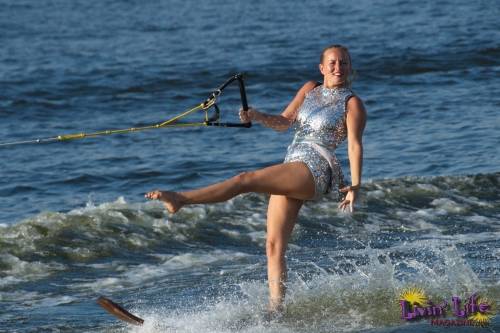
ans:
(244, 102)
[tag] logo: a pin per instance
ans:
(475, 311)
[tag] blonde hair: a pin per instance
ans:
(352, 74)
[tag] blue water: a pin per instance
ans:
(73, 221)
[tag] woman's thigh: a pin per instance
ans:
(293, 180)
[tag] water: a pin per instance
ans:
(73, 221)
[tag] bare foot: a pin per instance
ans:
(275, 306)
(171, 200)
(274, 315)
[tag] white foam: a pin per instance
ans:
(258, 237)
(170, 266)
(360, 300)
(428, 187)
(90, 207)
(19, 270)
(480, 220)
(18, 296)
(476, 202)
(231, 233)
(448, 206)
(108, 284)
(78, 253)
(376, 194)
(45, 301)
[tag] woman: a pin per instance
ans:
(324, 115)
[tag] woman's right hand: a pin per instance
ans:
(246, 116)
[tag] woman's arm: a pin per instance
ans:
(283, 121)
(355, 122)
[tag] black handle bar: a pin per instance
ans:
(243, 95)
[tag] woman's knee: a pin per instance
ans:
(275, 249)
(244, 180)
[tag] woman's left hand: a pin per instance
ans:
(350, 198)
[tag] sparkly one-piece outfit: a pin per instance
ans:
(320, 127)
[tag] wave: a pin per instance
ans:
(395, 213)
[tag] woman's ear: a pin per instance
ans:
(320, 66)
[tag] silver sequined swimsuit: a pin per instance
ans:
(319, 128)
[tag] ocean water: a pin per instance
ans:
(73, 221)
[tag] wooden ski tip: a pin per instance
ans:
(118, 311)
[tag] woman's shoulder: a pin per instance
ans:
(309, 86)
(354, 99)
(355, 104)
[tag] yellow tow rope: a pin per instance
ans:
(207, 104)
(168, 123)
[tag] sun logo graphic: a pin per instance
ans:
(479, 310)
(414, 296)
(483, 318)
(415, 304)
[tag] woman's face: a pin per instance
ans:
(335, 67)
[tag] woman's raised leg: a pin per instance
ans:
(281, 217)
(293, 180)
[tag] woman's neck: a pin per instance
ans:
(334, 86)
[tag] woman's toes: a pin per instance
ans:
(171, 200)
(153, 195)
